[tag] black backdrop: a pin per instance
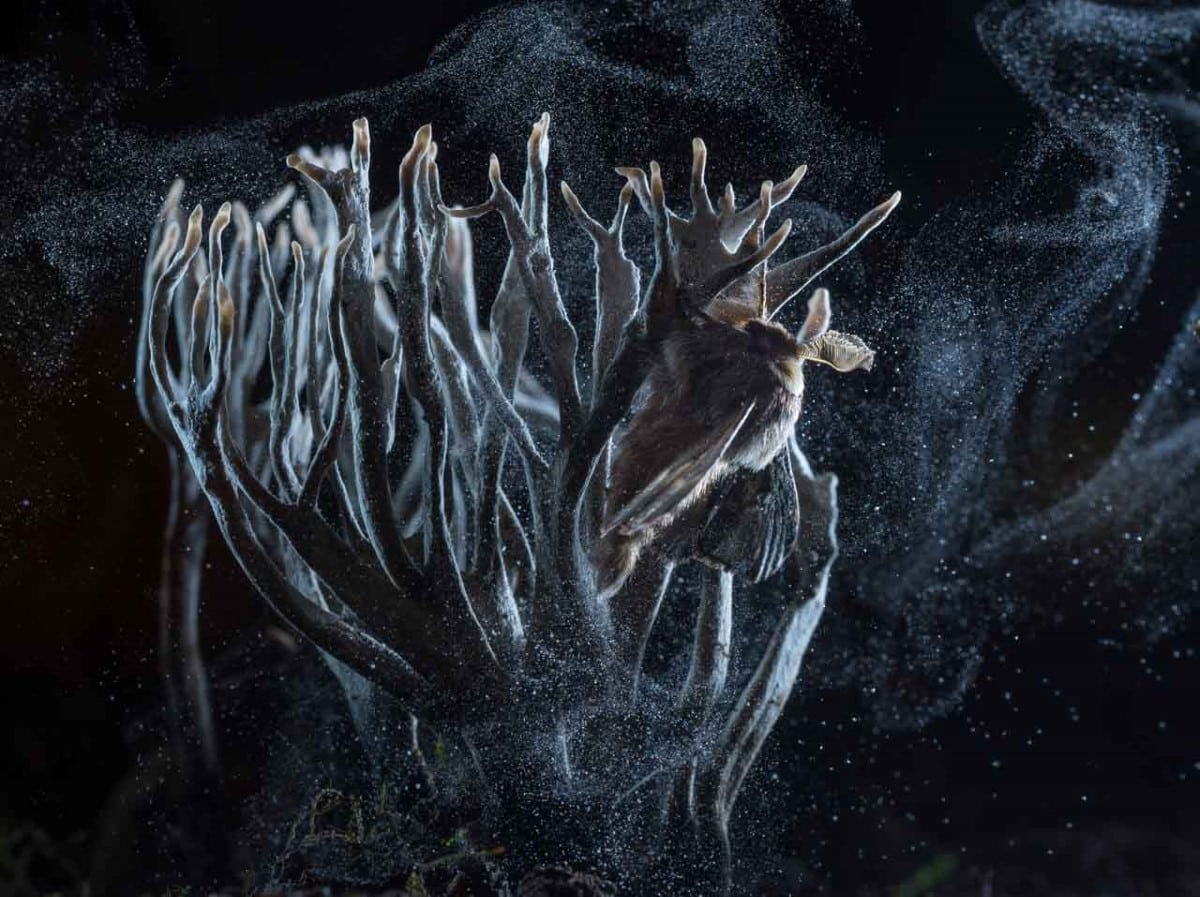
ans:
(82, 483)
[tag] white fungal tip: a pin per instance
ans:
(174, 193)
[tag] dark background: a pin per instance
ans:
(1070, 726)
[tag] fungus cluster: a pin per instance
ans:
(397, 482)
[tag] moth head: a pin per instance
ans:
(770, 339)
(780, 349)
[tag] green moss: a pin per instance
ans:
(927, 877)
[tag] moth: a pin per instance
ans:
(699, 465)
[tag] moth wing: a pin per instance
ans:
(841, 351)
(672, 486)
(755, 523)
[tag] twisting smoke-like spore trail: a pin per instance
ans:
(1001, 299)
(1008, 298)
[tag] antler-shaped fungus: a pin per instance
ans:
(367, 496)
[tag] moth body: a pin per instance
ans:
(722, 398)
